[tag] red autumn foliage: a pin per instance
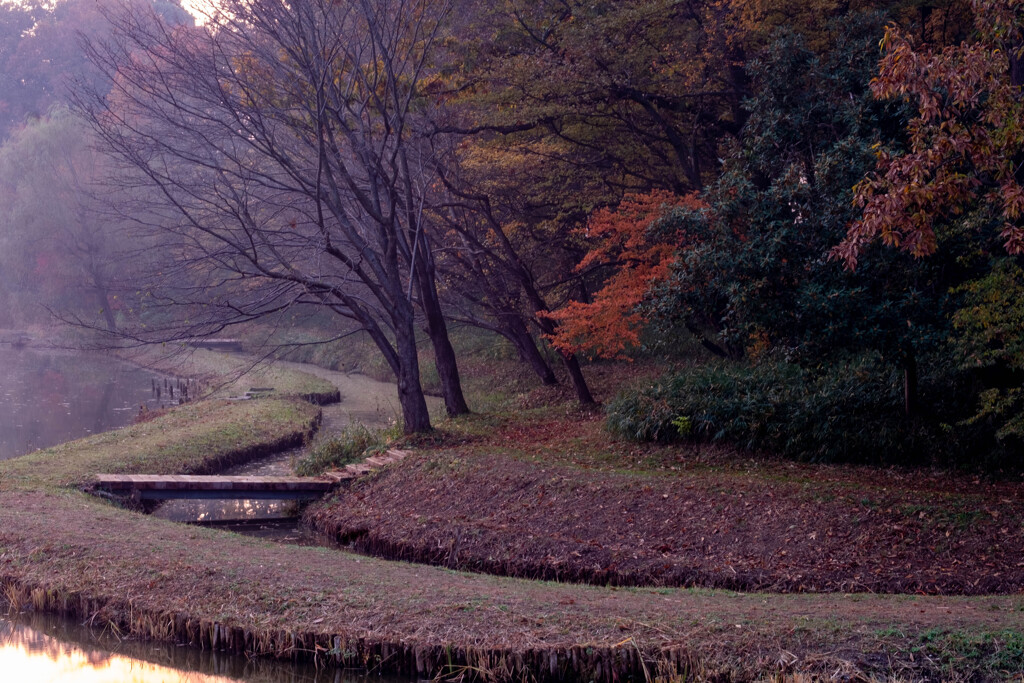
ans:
(611, 323)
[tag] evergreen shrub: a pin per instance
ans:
(849, 412)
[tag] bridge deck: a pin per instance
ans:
(159, 487)
(216, 344)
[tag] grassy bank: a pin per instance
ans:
(62, 551)
(549, 494)
(195, 438)
(483, 358)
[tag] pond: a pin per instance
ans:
(48, 649)
(48, 397)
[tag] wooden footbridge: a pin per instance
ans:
(150, 488)
(164, 487)
(215, 344)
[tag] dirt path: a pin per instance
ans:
(365, 400)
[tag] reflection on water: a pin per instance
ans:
(279, 465)
(274, 520)
(48, 649)
(49, 397)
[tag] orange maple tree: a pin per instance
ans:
(626, 239)
(966, 140)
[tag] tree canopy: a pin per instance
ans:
(966, 138)
(588, 180)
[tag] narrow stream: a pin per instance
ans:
(364, 400)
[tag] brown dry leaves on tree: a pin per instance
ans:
(611, 323)
(966, 141)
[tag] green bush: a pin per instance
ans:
(989, 343)
(851, 412)
(354, 443)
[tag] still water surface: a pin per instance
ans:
(49, 397)
(46, 649)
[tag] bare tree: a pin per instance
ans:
(275, 154)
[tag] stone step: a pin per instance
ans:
(360, 469)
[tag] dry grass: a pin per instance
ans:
(63, 544)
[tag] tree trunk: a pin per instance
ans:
(572, 365)
(579, 383)
(447, 367)
(108, 315)
(909, 385)
(570, 361)
(516, 332)
(99, 284)
(444, 354)
(707, 343)
(410, 390)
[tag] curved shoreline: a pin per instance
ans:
(61, 551)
